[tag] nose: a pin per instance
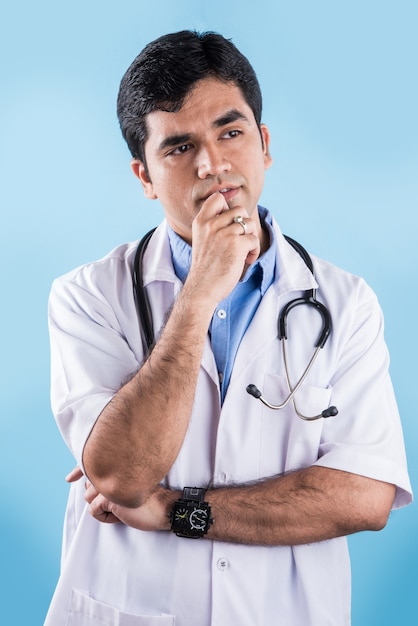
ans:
(211, 161)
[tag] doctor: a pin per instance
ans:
(206, 508)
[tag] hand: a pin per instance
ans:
(221, 251)
(153, 515)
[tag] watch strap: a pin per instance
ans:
(197, 494)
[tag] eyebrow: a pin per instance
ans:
(174, 140)
(230, 116)
(227, 118)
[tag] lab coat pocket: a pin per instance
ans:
(289, 442)
(311, 401)
(85, 611)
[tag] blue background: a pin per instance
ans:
(340, 90)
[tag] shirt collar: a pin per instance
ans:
(264, 267)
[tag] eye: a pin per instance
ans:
(180, 149)
(231, 134)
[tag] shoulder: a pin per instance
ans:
(346, 294)
(99, 276)
(331, 281)
(108, 281)
(335, 282)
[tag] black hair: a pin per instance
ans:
(165, 72)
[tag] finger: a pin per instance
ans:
(90, 493)
(75, 474)
(211, 223)
(253, 254)
(100, 508)
(246, 230)
(214, 205)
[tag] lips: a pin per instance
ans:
(228, 191)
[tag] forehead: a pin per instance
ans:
(209, 101)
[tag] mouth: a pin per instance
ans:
(225, 191)
(229, 193)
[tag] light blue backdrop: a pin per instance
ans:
(340, 89)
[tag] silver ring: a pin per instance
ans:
(239, 220)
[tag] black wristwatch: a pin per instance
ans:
(190, 515)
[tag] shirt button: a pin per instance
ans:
(223, 564)
(221, 314)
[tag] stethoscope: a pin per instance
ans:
(308, 299)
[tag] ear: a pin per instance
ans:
(140, 171)
(265, 135)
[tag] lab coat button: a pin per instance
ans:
(221, 314)
(223, 564)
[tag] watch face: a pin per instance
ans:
(189, 519)
(180, 515)
(198, 519)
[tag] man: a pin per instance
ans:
(205, 506)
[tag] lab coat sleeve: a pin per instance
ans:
(90, 356)
(366, 437)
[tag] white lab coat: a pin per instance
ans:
(115, 575)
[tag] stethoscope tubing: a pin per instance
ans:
(309, 298)
(256, 393)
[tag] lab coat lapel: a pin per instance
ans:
(158, 270)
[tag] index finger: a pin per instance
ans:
(75, 474)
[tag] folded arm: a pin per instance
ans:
(306, 506)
